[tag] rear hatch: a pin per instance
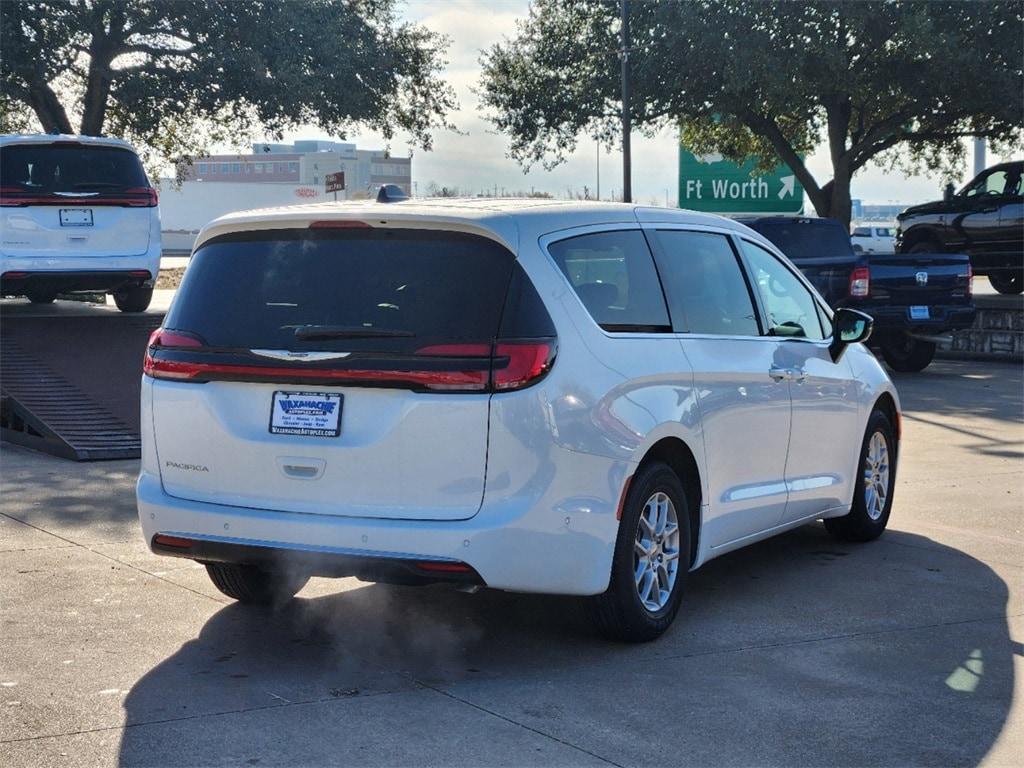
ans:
(71, 199)
(920, 279)
(338, 371)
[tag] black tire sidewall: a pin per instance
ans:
(640, 623)
(134, 299)
(858, 525)
(908, 355)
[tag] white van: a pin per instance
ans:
(77, 214)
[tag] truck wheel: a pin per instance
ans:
(1007, 282)
(651, 559)
(908, 355)
(134, 299)
(37, 296)
(250, 584)
(925, 246)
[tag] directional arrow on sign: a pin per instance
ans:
(787, 186)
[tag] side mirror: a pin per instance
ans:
(848, 327)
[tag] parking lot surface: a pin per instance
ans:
(796, 651)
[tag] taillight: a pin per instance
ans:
(164, 369)
(860, 283)
(133, 197)
(527, 362)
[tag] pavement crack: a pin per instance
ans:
(113, 559)
(511, 721)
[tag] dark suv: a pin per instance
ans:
(984, 220)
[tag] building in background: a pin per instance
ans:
(306, 163)
(271, 175)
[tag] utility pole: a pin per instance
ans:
(598, 169)
(979, 155)
(627, 183)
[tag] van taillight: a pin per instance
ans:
(164, 369)
(527, 362)
(860, 283)
(132, 197)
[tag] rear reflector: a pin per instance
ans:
(443, 567)
(622, 498)
(172, 541)
(14, 275)
(860, 283)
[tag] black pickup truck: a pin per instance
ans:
(914, 298)
(985, 220)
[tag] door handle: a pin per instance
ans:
(786, 374)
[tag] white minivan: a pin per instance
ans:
(580, 399)
(77, 214)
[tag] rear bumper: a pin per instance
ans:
(18, 283)
(67, 274)
(897, 319)
(556, 544)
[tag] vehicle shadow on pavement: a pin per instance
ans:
(798, 650)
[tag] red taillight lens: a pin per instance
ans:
(164, 369)
(136, 197)
(133, 197)
(860, 283)
(527, 362)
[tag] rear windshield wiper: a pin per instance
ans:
(347, 332)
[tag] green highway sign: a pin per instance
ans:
(714, 185)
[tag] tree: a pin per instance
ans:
(177, 74)
(891, 82)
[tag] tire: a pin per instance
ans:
(620, 614)
(925, 246)
(908, 355)
(134, 299)
(870, 512)
(38, 296)
(253, 585)
(1007, 282)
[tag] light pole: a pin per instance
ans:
(627, 183)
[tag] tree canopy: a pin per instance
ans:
(177, 74)
(885, 81)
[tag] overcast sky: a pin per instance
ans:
(478, 160)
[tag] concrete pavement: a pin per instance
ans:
(797, 651)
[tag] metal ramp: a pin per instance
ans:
(69, 384)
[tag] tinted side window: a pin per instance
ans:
(790, 307)
(704, 283)
(613, 274)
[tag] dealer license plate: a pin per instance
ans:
(316, 414)
(76, 217)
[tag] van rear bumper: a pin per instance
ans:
(528, 548)
(68, 274)
(19, 283)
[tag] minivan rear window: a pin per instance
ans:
(69, 168)
(359, 290)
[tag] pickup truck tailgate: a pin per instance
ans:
(920, 279)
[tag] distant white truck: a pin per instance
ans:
(77, 214)
(873, 239)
